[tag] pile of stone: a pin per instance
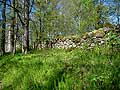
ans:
(88, 40)
(94, 38)
(68, 43)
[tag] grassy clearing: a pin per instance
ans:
(56, 69)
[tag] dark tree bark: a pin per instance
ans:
(25, 38)
(13, 29)
(117, 11)
(11, 36)
(17, 26)
(3, 27)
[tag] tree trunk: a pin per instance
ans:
(15, 32)
(11, 31)
(117, 11)
(12, 34)
(25, 37)
(15, 36)
(3, 27)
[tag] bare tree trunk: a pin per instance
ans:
(25, 38)
(117, 11)
(15, 32)
(15, 36)
(12, 34)
(3, 27)
(11, 31)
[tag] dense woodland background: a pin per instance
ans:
(25, 24)
(59, 44)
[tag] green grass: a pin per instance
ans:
(57, 69)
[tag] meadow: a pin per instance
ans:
(59, 69)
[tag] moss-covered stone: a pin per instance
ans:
(99, 33)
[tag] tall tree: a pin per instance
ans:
(117, 11)
(12, 30)
(25, 38)
(3, 27)
(17, 28)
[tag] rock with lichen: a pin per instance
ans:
(99, 33)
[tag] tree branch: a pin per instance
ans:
(31, 6)
(16, 10)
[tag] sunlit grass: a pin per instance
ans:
(57, 69)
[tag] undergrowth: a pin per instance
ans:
(57, 69)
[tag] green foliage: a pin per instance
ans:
(56, 69)
(113, 40)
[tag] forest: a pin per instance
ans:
(59, 44)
